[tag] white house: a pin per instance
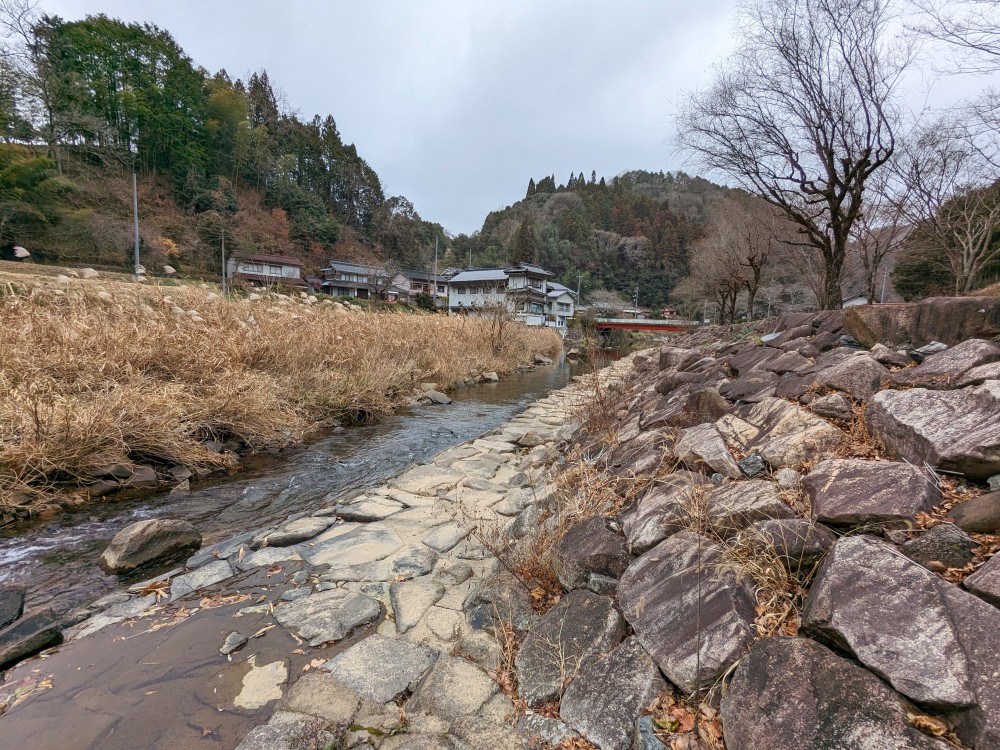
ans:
(260, 269)
(524, 290)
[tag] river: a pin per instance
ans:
(57, 559)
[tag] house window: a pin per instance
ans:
(536, 283)
(440, 288)
(274, 270)
(461, 290)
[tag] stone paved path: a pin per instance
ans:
(405, 559)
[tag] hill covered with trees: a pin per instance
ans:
(634, 230)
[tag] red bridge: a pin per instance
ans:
(644, 324)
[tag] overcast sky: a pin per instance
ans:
(456, 104)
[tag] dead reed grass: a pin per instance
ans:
(97, 374)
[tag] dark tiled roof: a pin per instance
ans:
(343, 267)
(284, 260)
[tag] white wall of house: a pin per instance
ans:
(266, 269)
(476, 295)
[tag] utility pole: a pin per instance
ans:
(885, 272)
(579, 278)
(434, 288)
(223, 258)
(135, 221)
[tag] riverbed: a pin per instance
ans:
(57, 559)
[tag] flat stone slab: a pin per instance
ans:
(445, 537)
(300, 530)
(321, 694)
(381, 668)
(28, 636)
(353, 545)
(453, 688)
(854, 492)
(328, 615)
(207, 575)
(425, 480)
(411, 600)
(413, 561)
(734, 506)
(267, 557)
(368, 509)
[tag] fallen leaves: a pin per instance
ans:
(680, 726)
(221, 600)
(314, 664)
(13, 694)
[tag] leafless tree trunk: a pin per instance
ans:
(881, 229)
(802, 115)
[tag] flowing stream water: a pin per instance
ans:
(57, 559)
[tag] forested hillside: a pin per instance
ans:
(634, 230)
(84, 102)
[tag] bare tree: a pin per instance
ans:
(606, 302)
(881, 229)
(970, 27)
(802, 115)
(953, 199)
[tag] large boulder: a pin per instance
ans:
(796, 542)
(794, 694)
(145, 543)
(671, 356)
(28, 636)
(703, 446)
(944, 544)
(567, 639)
(590, 547)
(933, 642)
(946, 369)
(682, 594)
(980, 515)
(751, 387)
(789, 435)
(328, 616)
(665, 509)
(985, 582)
(853, 492)
(604, 701)
(686, 408)
(955, 431)
(946, 319)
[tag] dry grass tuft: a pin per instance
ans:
(92, 375)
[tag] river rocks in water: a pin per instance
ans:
(381, 668)
(985, 582)
(603, 702)
(944, 544)
(436, 397)
(425, 480)
(980, 515)
(589, 547)
(567, 638)
(204, 576)
(853, 492)
(658, 598)
(453, 688)
(11, 604)
(736, 505)
(300, 530)
(351, 544)
(28, 636)
(702, 445)
(952, 430)
(794, 694)
(411, 599)
(328, 615)
(233, 642)
(945, 369)
(158, 540)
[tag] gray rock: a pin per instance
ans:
(267, 557)
(788, 479)
(411, 599)
(143, 476)
(604, 701)
(131, 607)
(945, 544)
(497, 600)
(751, 387)
(889, 357)
(28, 636)
(351, 544)
(664, 510)
(703, 446)
(478, 732)
(589, 548)
(437, 397)
(204, 576)
(601, 585)
(530, 440)
(794, 694)
(453, 573)
(889, 612)
(833, 406)
(753, 466)
(288, 731)
(686, 408)
(797, 542)
(300, 530)
(951, 430)
(736, 505)
(368, 509)
(789, 435)
(381, 668)
(567, 639)
(659, 596)
(219, 550)
(328, 615)
(929, 349)
(980, 515)
(994, 483)
(233, 642)
(292, 594)
(945, 369)
(645, 735)
(540, 729)
(320, 694)
(453, 688)
(11, 604)
(985, 582)
(446, 536)
(853, 492)
(415, 560)
(158, 540)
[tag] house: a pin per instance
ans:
(524, 290)
(414, 283)
(669, 312)
(260, 269)
(342, 279)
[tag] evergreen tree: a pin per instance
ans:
(531, 187)
(524, 246)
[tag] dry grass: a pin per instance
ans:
(96, 373)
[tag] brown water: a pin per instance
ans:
(57, 559)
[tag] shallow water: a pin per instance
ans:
(57, 559)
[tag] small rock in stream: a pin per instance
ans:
(234, 642)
